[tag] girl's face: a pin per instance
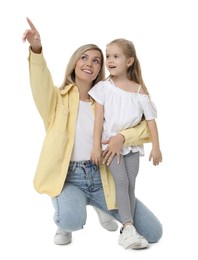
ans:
(116, 62)
(88, 67)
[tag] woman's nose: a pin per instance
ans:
(89, 63)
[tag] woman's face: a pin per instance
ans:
(88, 67)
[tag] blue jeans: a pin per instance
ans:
(83, 187)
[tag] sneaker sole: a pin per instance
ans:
(129, 244)
(139, 246)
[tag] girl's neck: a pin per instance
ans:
(120, 81)
(125, 84)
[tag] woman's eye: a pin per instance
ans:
(83, 57)
(96, 61)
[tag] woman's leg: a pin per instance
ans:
(70, 208)
(70, 212)
(146, 223)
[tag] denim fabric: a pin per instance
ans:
(83, 187)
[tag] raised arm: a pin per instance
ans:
(33, 37)
(43, 90)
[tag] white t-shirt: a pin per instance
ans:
(122, 110)
(84, 133)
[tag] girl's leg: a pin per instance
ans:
(145, 222)
(132, 168)
(123, 197)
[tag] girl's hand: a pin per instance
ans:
(156, 155)
(33, 37)
(114, 147)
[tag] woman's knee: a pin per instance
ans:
(70, 218)
(70, 208)
(156, 235)
(146, 223)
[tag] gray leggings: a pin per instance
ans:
(124, 175)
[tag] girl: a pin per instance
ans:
(121, 102)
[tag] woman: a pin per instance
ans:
(64, 170)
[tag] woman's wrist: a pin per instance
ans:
(121, 137)
(36, 50)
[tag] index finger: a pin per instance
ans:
(106, 157)
(31, 24)
(105, 152)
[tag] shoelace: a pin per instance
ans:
(62, 232)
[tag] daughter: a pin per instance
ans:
(121, 102)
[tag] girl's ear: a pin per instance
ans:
(130, 61)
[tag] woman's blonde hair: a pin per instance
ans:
(134, 71)
(70, 69)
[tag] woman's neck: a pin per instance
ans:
(83, 94)
(83, 88)
(85, 98)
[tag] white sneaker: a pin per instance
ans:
(62, 237)
(143, 243)
(106, 221)
(129, 238)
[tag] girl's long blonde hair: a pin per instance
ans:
(134, 71)
(70, 69)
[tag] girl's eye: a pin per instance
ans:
(107, 56)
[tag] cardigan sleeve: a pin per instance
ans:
(43, 90)
(137, 135)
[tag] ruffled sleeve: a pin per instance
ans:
(97, 93)
(148, 107)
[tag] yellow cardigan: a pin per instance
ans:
(58, 109)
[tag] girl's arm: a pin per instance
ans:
(97, 136)
(155, 153)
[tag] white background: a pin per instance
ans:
(165, 36)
